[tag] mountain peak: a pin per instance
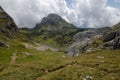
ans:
(54, 15)
(55, 21)
(51, 19)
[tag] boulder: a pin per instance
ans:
(117, 43)
(112, 40)
(109, 44)
(76, 48)
(109, 36)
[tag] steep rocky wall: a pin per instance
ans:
(8, 27)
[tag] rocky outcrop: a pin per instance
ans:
(112, 40)
(108, 37)
(82, 41)
(8, 27)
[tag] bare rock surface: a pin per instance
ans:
(82, 41)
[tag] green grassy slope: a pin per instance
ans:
(49, 65)
(105, 68)
(116, 27)
(56, 41)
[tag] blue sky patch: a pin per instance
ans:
(69, 3)
(114, 3)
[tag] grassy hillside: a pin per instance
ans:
(20, 63)
(116, 27)
(49, 65)
(56, 39)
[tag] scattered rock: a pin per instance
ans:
(89, 50)
(89, 77)
(100, 57)
(46, 71)
(3, 44)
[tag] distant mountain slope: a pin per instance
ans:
(8, 27)
(53, 22)
(56, 28)
(116, 27)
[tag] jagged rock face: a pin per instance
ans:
(51, 19)
(7, 26)
(112, 40)
(82, 40)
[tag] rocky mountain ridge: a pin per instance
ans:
(8, 28)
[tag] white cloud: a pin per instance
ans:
(87, 13)
(96, 13)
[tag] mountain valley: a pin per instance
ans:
(57, 50)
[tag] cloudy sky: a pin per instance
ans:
(82, 13)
